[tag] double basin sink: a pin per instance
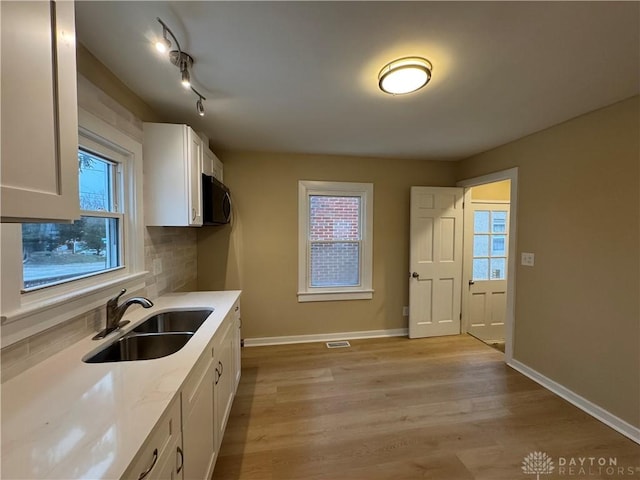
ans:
(158, 336)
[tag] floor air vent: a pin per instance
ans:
(340, 344)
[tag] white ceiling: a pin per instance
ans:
(302, 76)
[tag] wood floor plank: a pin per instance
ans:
(445, 408)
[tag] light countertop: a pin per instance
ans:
(66, 419)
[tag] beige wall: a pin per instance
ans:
(577, 310)
(492, 191)
(262, 256)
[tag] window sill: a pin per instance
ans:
(333, 296)
(34, 317)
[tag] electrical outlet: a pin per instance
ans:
(157, 266)
(527, 259)
(405, 311)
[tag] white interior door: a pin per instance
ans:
(435, 261)
(486, 253)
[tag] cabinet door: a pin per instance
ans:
(224, 389)
(194, 171)
(236, 347)
(39, 116)
(207, 165)
(198, 427)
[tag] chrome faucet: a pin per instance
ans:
(115, 312)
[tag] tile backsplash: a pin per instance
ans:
(170, 258)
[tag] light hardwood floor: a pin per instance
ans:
(445, 408)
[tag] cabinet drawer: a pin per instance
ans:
(154, 451)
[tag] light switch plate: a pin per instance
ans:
(527, 259)
(405, 311)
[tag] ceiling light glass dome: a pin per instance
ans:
(404, 75)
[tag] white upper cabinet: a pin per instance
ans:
(39, 112)
(173, 156)
(212, 165)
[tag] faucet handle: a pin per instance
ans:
(115, 299)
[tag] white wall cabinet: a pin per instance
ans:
(212, 165)
(173, 158)
(39, 168)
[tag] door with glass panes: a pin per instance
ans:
(486, 253)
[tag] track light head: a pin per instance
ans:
(200, 107)
(186, 78)
(164, 44)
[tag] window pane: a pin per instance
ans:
(481, 269)
(481, 221)
(499, 222)
(334, 218)
(498, 269)
(95, 180)
(481, 245)
(53, 253)
(498, 245)
(335, 264)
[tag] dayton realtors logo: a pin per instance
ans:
(537, 463)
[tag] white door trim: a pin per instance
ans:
(510, 174)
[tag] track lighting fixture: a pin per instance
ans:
(180, 59)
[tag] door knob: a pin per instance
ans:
(415, 275)
(471, 282)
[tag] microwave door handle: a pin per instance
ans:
(227, 205)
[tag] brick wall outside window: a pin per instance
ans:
(334, 231)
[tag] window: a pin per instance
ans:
(53, 272)
(335, 241)
(489, 245)
(55, 253)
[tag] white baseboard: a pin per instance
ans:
(324, 337)
(582, 403)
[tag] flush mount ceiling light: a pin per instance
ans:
(404, 75)
(180, 59)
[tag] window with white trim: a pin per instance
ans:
(53, 253)
(335, 230)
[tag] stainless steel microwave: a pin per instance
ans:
(216, 202)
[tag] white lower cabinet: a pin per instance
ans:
(197, 427)
(171, 467)
(225, 378)
(236, 344)
(185, 443)
(160, 458)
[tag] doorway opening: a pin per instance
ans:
(488, 278)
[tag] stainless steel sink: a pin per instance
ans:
(144, 346)
(174, 321)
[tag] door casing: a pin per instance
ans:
(510, 174)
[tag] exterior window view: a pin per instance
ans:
(334, 233)
(489, 245)
(57, 252)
